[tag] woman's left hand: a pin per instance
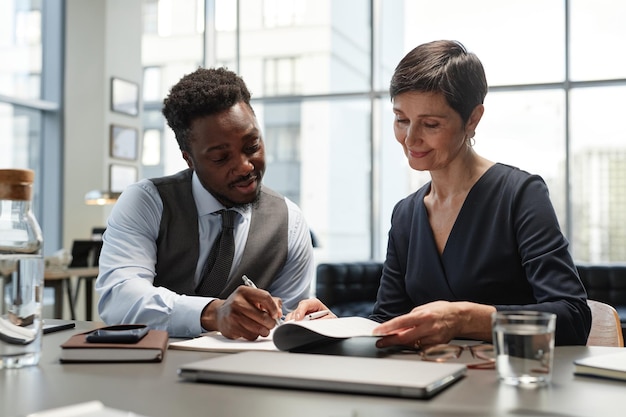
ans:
(434, 323)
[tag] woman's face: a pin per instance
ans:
(431, 133)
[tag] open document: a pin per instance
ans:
(288, 336)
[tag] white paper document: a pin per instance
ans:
(88, 409)
(215, 342)
(289, 335)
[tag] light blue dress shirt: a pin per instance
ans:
(128, 258)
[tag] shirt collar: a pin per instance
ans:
(206, 203)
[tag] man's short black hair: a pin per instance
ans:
(202, 93)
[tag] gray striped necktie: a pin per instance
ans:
(217, 267)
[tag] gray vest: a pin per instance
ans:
(178, 251)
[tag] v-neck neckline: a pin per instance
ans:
(459, 214)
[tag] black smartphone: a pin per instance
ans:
(53, 327)
(123, 333)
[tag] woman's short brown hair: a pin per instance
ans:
(443, 67)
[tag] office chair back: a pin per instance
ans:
(606, 328)
(85, 253)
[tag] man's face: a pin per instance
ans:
(227, 153)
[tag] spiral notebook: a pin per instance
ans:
(355, 375)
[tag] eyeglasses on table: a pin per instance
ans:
(447, 352)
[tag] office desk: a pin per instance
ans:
(153, 389)
(60, 280)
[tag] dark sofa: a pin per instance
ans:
(349, 288)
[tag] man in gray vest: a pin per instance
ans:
(176, 248)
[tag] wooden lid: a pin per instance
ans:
(16, 184)
(17, 176)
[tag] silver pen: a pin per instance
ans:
(248, 283)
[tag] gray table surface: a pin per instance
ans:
(154, 390)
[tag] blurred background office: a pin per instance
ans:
(82, 83)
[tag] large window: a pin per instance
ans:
(598, 176)
(597, 143)
(20, 83)
(30, 91)
(596, 40)
(319, 71)
(526, 129)
(20, 45)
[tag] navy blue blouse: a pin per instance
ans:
(505, 249)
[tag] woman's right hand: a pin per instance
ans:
(308, 306)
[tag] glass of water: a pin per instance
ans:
(524, 342)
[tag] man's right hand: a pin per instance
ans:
(247, 313)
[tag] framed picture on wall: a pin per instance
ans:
(124, 97)
(124, 142)
(121, 176)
